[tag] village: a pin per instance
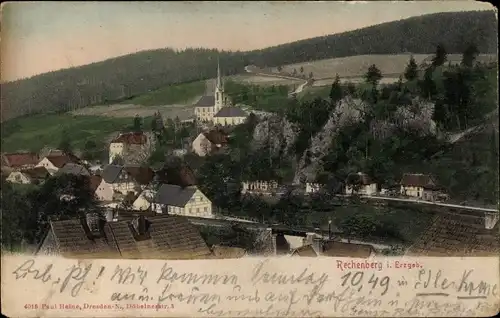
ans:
(149, 213)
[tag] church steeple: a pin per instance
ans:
(219, 79)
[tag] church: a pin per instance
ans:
(217, 109)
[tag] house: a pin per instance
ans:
(312, 187)
(104, 191)
(304, 251)
(459, 235)
(19, 161)
(74, 169)
(54, 162)
(230, 116)
(420, 186)
(259, 187)
(155, 237)
(208, 142)
(341, 249)
(187, 201)
(207, 106)
(125, 179)
(29, 176)
(361, 184)
(144, 200)
(126, 145)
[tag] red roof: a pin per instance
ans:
(216, 137)
(60, 161)
(16, 160)
(417, 180)
(133, 138)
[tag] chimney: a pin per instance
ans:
(141, 225)
(490, 219)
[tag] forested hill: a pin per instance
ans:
(131, 75)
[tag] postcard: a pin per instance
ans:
(249, 159)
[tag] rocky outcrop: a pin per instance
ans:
(416, 117)
(348, 111)
(277, 130)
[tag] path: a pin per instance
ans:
(252, 69)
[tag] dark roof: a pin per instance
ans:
(340, 249)
(19, 159)
(95, 181)
(418, 180)
(60, 160)
(359, 178)
(36, 173)
(457, 235)
(206, 101)
(174, 195)
(73, 241)
(75, 169)
(111, 173)
(168, 237)
(282, 245)
(230, 111)
(131, 138)
(216, 136)
(181, 176)
(143, 175)
(305, 251)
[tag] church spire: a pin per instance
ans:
(219, 80)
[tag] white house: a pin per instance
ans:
(129, 178)
(28, 176)
(207, 142)
(103, 190)
(55, 162)
(144, 200)
(125, 143)
(420, 186)
(361, 184)
(259, 187)
(186, 201)
(312, 187)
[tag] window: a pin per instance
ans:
(197, 210)
(205, 209)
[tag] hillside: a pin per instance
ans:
(128, 76)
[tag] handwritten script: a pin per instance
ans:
(250, 287)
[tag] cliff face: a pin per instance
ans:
(347, 112)
(280, 133)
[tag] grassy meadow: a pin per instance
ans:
(35, 132)
(172, 94)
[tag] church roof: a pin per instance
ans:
(230, 112)
(206, 101)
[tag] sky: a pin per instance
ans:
(39, 37)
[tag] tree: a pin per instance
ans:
(373, 76)
(310, 75)
(411, 71)
(470, 55)
(280, 68)
(154, 125)
(90, 151)
(336, 93)
(440, 56)
(65, 144)
(294, 72)
(137, 123)
(301, 69)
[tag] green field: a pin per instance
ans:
(34, 132)
(168, 95)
